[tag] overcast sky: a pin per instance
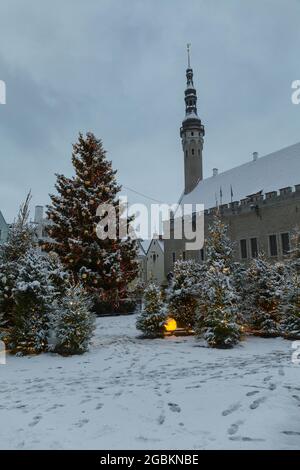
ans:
(117, 68)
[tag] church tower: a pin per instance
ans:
(191, 133)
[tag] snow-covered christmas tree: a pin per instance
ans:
(104, 267)
(20, 240)
(263, 299)
(184, 292)
(291, 301)
(33, 305)
(74, 322)
(152, 319)
(217, 319)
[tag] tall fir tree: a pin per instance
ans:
(218, 313)
(74, 322)
(20, 240)
(104, 267)
(291, 301)
(33, 305)
(153, 317)
(264, 292)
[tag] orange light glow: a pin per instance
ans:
(170, 324)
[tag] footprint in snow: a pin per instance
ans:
(231, 409)
(246, 439)
(233, 429)
(291, 433)
(250, 394)
(272, 386)
(35, 421)
(161, 419)
(257, 402)
(99, 406)
(266, 379)
(81, 423)
(174, 407)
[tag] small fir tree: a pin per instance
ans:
(264, 296)
(33, 305)
(20, 240)
(184, 292)
(217, 319)
(239, 273)
(152, 319)
(104, 267)
(74, 322)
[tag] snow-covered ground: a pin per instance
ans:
(167, 393)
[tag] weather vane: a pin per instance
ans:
(188, 51)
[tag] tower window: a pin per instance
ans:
(199, 152)
(192, 133)
(186, 153)
(193, 151)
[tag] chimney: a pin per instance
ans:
(215, 171)
(38, 214)
(255, 156)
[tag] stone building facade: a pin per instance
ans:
(258, 223)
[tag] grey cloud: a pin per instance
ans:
(118, 68)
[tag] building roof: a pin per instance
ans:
(157, 241)
(2, 220)
(269, 173)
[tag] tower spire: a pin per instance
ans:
(188, 46)
(191, 133)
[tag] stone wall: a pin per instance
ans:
(257, 216)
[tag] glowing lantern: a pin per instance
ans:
(170, 324)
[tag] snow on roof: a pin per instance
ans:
(145, 245)
(2, 220)
(159, 242)
(269, 173)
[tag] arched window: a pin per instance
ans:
(193, 151)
